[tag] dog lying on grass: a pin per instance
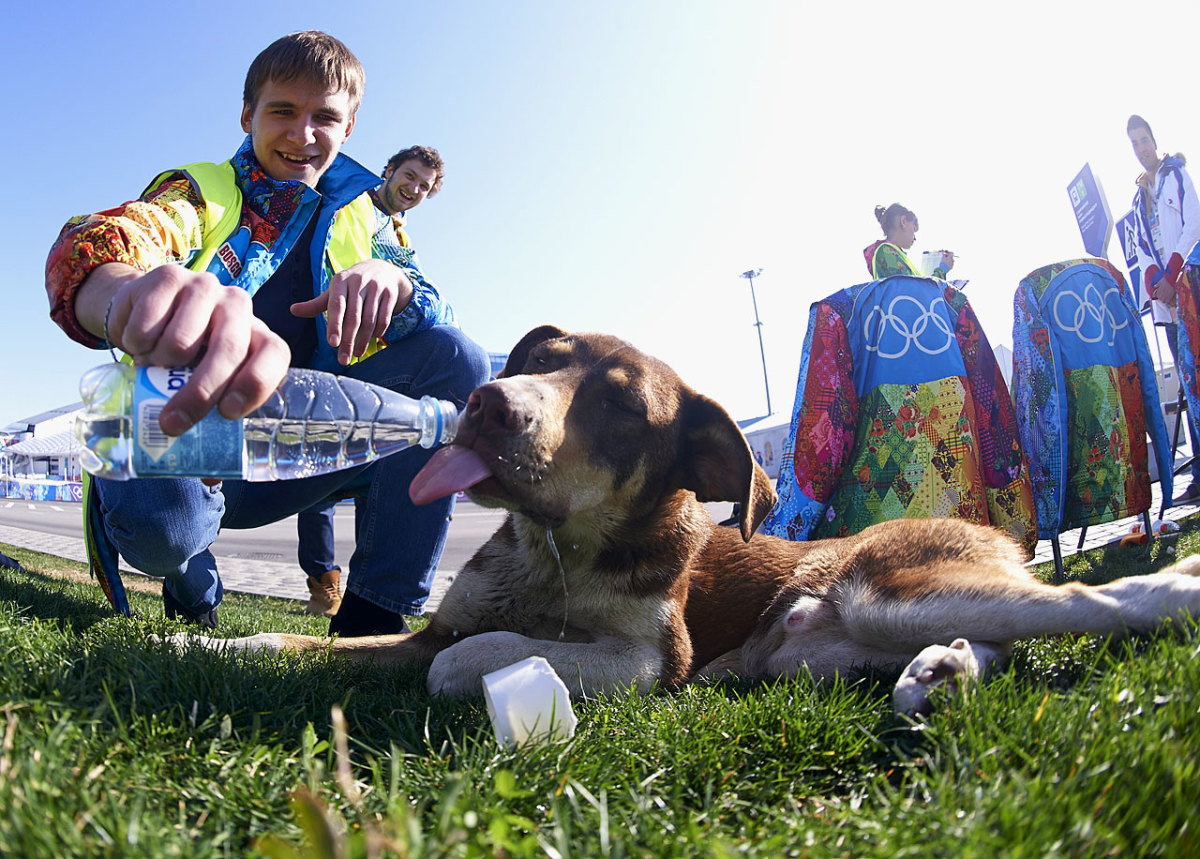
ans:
(610, 567)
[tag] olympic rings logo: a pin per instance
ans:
(911, 331)
(1093, 314)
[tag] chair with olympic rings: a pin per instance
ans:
(900, 411)
(1086, 397)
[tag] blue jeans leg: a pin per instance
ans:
(1172, 332)
(398, 544)
(315, 546)
(164, 527)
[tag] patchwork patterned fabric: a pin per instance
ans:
(1083, 381)
(1188, 305)
(1105, 477)
(900, 411)
(916, 456)
(167, 225)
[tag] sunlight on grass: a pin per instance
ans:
(111, 744)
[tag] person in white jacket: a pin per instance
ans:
(1168, 227)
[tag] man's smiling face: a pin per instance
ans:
(297, 128)
(407, 185)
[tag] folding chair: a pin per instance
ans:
(1086, 395)
(901, 410)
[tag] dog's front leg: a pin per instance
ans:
(585, 667)
(268, 642)
(418, 647)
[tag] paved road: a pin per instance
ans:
(263, 561)
(469, 528)
(260, 561)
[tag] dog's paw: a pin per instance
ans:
(953, 668)
(270, 642)
(178, 640)
(1189, 566)
(458, 670)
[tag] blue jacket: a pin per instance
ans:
(272, 217)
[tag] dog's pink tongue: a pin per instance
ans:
(450, 470)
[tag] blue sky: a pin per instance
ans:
(614, 166)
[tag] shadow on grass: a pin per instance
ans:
(1113, 561)
(52, 597)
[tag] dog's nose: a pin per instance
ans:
(494, 410)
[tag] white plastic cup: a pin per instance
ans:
(527, 701)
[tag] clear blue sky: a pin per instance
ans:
(614, 166)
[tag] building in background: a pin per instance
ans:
(39, 457)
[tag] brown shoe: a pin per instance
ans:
(325, 593)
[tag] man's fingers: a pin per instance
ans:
(335, 321)
(212, 374)
(258, 377)
(312, 308)
(143, 309)
(374, 317)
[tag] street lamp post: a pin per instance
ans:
(750, 275)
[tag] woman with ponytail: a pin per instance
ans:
(886, 257)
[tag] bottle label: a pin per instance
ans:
(212, 448)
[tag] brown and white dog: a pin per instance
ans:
(610, 567)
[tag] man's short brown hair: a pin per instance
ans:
(1136, 121)
(311, 56)
(428, 156)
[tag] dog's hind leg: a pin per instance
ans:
(811, 636)
(978, 606)
(1137, 603)
(953, 669)
(859, 623)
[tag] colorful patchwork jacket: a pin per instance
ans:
(234, 221)
(1189, 334)
(1086, 395)
(172, 222)
(900, 410)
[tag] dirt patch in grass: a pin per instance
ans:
(73, 571)
(132, 581)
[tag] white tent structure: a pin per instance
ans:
(58, 444)
(39, 457)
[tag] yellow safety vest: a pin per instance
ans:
(349, 238)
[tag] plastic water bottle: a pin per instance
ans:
(314, 423)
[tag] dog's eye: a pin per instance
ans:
(545, 362)
(535, 364)
(623, 406)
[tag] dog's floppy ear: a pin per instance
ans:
(718, 464)
(520, 352)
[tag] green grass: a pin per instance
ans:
(112, 745)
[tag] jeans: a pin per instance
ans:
(164, 526)
(314, 533)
